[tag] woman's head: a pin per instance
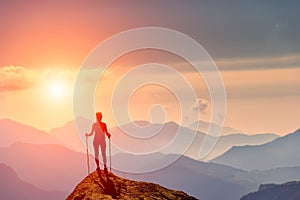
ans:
(99, 116)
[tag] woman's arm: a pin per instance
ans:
(105, 130)
(91, 133)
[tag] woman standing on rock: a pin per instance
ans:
(100, 129)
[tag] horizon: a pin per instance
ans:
(234, 132)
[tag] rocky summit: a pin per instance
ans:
(100, 185)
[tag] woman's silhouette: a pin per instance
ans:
(100, 129)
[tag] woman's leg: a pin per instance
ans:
(103, 152)
(96, 150)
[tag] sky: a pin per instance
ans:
(255, 45)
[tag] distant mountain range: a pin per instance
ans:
(11, 132)
(203, 127)
(275, 175)
(47, 166)
(282, 152)
(226, 142)
(53, 167)
(58, 168)
(68, 135)
(12, 187)
(286, 191)
(199, 179)
(166, 132)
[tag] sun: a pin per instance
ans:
(58, 89)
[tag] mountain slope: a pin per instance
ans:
(203, 127)
(277, 175)
(286, 191)
(99, 185)
(11, 132)
(53, 167)
(47, 166)
(282, 152)
(203, 180)
(226, 142)
(162, 134)
(11, 187)
(68, 133)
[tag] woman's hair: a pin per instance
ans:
(99, 116)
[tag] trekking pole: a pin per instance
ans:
(109, 155)
(87, 154)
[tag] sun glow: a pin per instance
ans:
(58, 89)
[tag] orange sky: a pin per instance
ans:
(44, 43)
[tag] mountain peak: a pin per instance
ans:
(141, 123)
(172, 123)
(99, 185)
(6, 171)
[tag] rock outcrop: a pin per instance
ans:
(100, 185)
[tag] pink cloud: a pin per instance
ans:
(13, 78)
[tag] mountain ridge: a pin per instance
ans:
(281, 152)
(12, 187)
(67, 135)
(192, 176)
(31, 161)
(12, 131)
(288, 191)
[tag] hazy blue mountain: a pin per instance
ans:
(203, 127)
(286, 191)
(69, 135)
(47, 166)
(203, 180)
(53, 167)
(66, 167)
(226, 142)
(282, 152)
(11, 132)
(277, 175)
(144, 137)
(166, 132)
(12, 187)
(163, 134)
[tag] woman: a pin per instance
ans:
(100, 129)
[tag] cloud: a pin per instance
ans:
(17, 78)
(49, 74)
(93, 75)
(291, 61)
(14, 78)
(201, 105)
(278, 62)
(262, 83)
